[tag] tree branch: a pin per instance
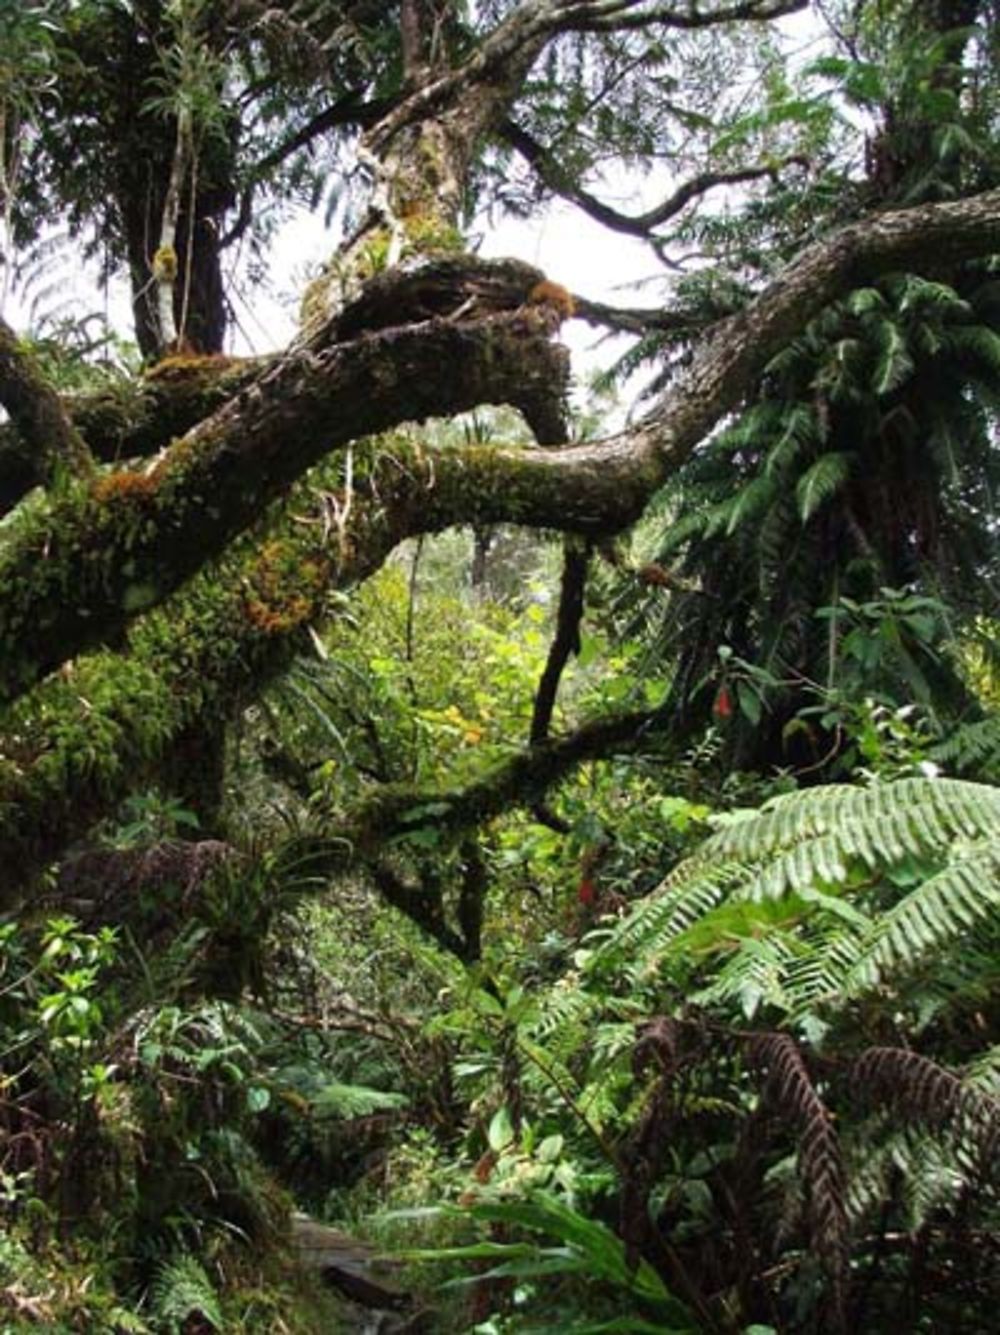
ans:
(566, 641)
(51, 445)
(616, 15)
(127, 542)
(641, 225)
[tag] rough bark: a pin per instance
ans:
(131, 420)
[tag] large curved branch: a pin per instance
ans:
(133, 420)
(83, 568)
(623, 15)
(482, 88)
(89, 736)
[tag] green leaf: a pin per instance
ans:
(258, 1098)
(501, 1130)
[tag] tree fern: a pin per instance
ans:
(833, 854)
(865, 461)
(947, 905)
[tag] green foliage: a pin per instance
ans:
(182, 1294)
(575, 1245)
(832, 536)
(869, 885)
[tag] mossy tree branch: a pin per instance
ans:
(52, 448)
(82, 569)
(85, 738)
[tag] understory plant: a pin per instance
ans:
(767, 1093)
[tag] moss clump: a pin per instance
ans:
(126, 485)
(286, 588)
(555, 296)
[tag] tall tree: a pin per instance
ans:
(865, 457)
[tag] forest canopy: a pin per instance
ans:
(542, 829)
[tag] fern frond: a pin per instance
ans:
(881, 822)
(944, 907)
(895, 364)
(971, 746)
(914, 1087)
(821, 481)
(687, 895)
(799, 428)
(182, 1293)
(977, 342)
(789, 1087)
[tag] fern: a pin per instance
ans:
(789, 1086)
(820, 482)
(914, 1087)
(825, 858)
(895, 364)
(335, 1100)
(971, 746)
(944, 907)
(182, 1292)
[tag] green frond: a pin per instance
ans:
(564, 1005)
(976, 341)
(865, 301)
(751, 502)
(754, 976)
(821, 481)
(946, 906)
(798, 428)
(182, 1296)
(915, 293)
(794, 875)
(687, 895)
(895, 364)
(883, 821)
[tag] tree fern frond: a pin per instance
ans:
(915, 293)
(807, 851)
(977, 341)
(910, 1165)
(971, 746)
(931, 916)
(686, 895)
(884, 820)
(789, 1086)
(799, 428)
(865, 301)
(912, 1086)
(565, 1004)
(753, 976)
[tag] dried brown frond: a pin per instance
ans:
(788, 1086)
(655, 1053)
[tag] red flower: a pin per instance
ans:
(587, 893)
(723, 706)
